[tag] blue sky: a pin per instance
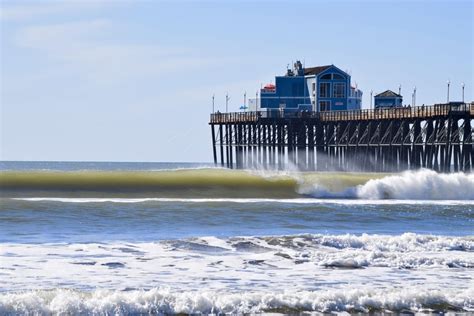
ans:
(133, 80)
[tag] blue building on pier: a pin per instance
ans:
(322, 88)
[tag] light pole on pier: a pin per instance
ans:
(245, 101)
(256, 101)
(414, 96)
(448, 82)
(227, 98)
(463, 85)
(400, 89)
(213, 97)
(371, 93)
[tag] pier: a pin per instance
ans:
(438, 137)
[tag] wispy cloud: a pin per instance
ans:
(21, 11)
(53, 36)
(93, 49)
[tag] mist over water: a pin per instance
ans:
(113, 238)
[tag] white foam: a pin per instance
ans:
(243, 264)
(165, 301)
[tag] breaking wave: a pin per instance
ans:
(424, 184)
(410, 185)
(221, 184)
(164, 301)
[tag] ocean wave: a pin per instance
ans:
(166, 301)
(200, 185)
(198, 182)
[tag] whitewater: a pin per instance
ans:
(155, 238)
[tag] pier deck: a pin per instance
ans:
(438, 137)
(418, 112)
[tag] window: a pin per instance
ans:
(339, 90)
(324, 90)
(326, 77)
(313, 86)
(338, 77)
(324, 106)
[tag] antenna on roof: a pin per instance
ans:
(400, 89)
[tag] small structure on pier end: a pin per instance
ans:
(388, 99)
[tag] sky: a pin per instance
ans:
(98, 80)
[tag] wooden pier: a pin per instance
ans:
(438, 137)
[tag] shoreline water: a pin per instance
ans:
(205, 240)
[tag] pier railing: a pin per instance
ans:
(423, 112)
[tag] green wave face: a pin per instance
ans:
(217, 183)
(179, 183)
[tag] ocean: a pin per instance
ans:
(168, 238)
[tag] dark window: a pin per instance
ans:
(339, 90)
(338, 76)
(324, 106)
(324, 90)
(326, 77)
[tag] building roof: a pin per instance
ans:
(315, 70)
(388, 94)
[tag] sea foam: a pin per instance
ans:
(244, 264)
(165, 301)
